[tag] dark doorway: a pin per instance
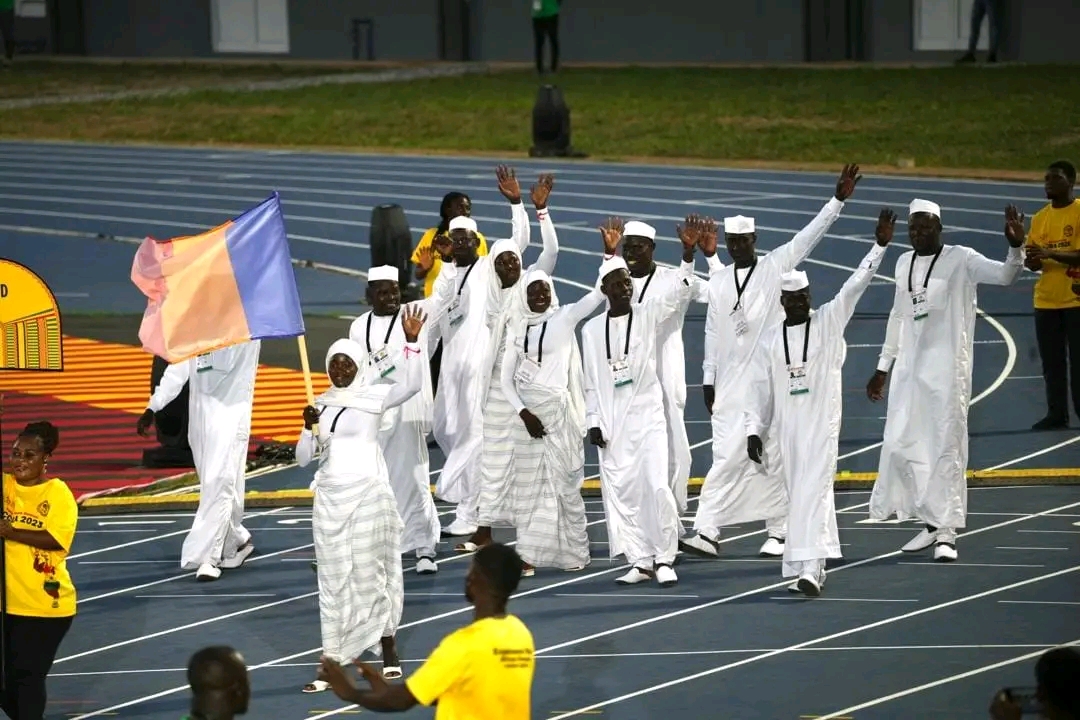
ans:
(67, 27)
(834, 30)
(454, 40)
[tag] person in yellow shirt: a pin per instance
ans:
(484, 670)
(453, 205)
(1053, 250)
(38, 526)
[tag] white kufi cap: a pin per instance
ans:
(794, 281)
(611, 265)
(738, 225)
(383, 272)
(924, 206)
(461, 222)
(639, 229)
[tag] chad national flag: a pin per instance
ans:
(229, 285)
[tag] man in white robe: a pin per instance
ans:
(465, 373)
(627, 423)
(638, 245)
(743, 302)
(221, 390)
(404, 441)
(796, 393)
(922, 472)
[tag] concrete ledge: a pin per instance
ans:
(102, 505)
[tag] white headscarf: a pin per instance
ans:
(498, 308)
(519, 304)
(363, 393)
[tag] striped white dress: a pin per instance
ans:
(497, 506)
(355, 520)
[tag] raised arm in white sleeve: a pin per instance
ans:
(519, 222)
(414, 377)
(984, 271)
(172, 382)
(793, 252)
(436, 305)
(677, 298)
(550, 251)
(714, 264)
(838, 311)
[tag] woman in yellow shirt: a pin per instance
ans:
(38, 526)
(484, 670)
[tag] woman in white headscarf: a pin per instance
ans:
(355, 519)
(542, 379)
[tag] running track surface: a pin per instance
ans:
(728, 636)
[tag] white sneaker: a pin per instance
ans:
(666, 576)
(633, 577)
(920, 542)
(231, 563)
(773, 547)
(458, 529)
(426, 566)
(701, 545)
(207, 573)
(808, 585)
(794, 587)
(945, 550)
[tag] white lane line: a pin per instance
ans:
(210, 595)
(1007, 547)
(657, 596)
(840, 599)
(1037, 453)
(932, 563)
(943, 681)
(1038, 602)
(136, 522)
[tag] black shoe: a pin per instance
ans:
(1052, 423)
(966, 58)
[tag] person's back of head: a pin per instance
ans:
(219, 683)
(501, 568)
(1057, 674)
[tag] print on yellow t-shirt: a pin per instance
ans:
(1056, 229)
(38, 583)
(483, 670)
(425, 241)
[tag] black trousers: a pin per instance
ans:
(1058, 335)
(7, 32)
(546, 28)
(31, 644)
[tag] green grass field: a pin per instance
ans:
(984, 118)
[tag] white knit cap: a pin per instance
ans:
(383, 272)
(639, 229)
(738, 225)
(611, 265)
(924, 206)
(794, 281)
(462, 222)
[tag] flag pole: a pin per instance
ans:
(301, 341)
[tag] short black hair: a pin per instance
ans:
(1067, 169)
(1058, 674)
(501, 566)
(210, 668)
(45, 431)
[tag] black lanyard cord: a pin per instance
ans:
(389, 330)
(740, 288)
(646, 285)
(607, 335)
(805, 344)
(926, 280)
(466, 278)
(539, 345)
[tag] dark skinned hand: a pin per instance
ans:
(1004, 708)
(707, 236)
(425, 258)
(444, 246)
(532, 424)
(597, 438)
(709, 392)
(412, 322)
(754, 448)
(146, 420)
(508, 183)
(886, 223)
(1014, 226)
(311, 417)
(875, 389)
(849, 178)
(541, 191)
(611, 233)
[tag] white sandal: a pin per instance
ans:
(316, 686)
(392, 672)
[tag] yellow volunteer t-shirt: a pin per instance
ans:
(38, 584)
(479, 672)
(1056, 229)
(425, 241)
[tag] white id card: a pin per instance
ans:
(526, 371)
(620, 371)
(454, 313)
(382, 362)
(797, 380)
(204, 362)
(537, 4)
(918, 303)
(742, 327)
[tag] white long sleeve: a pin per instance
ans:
(550, 252)
(677, 298)
(712, 341)
(414, 377)
(592, 396)
(984, 271)
(172, 382)
(519, 222)
(305, 448)
(891, 346)
(839, 310)
(714, 264)
(799, 247)
(510, 361)
(438, 303)
(759, 396)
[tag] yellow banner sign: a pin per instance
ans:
(30, 336)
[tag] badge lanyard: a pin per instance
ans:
(540, 344)
(926, 280)
(607, 335)
(805, 345)
(465, 279)
(739, 289)
(389, 330)
(646, 285)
